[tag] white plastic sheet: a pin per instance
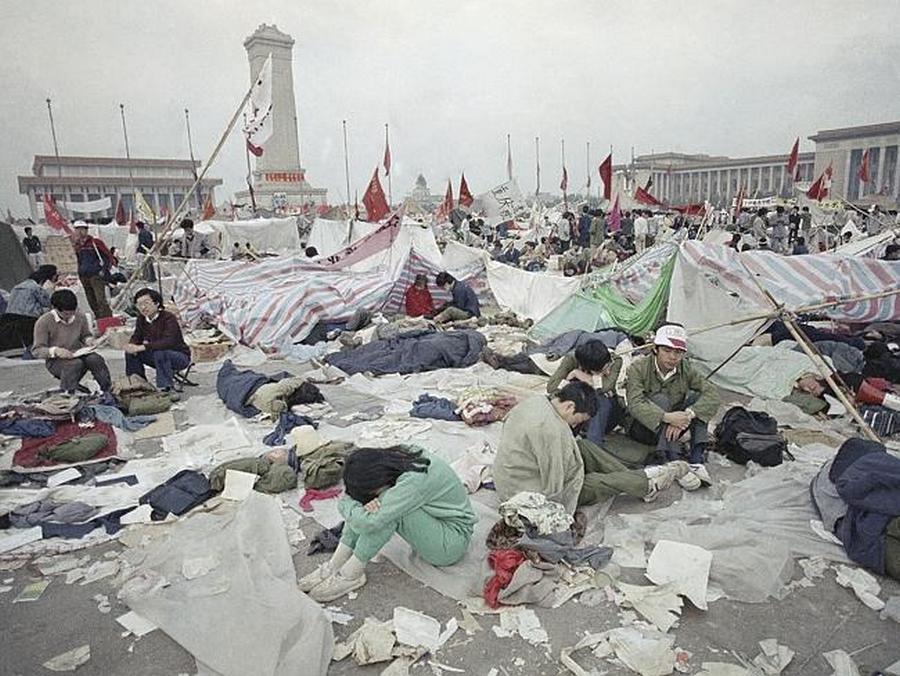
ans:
(246, 616)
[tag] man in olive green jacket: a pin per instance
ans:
(666, 397)
(592, 364)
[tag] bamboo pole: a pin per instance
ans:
(122, 296)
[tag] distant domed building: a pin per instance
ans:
(420, 196)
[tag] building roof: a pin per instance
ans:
(41, 161)
(708, 162)
(881, 129)
(122, 182)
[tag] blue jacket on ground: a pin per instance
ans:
(235, 387)
(465, 299)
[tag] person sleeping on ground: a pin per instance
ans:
(394, 490)
(539, 453)
(666, 398)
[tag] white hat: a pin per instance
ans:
(79, 224)
(306, 439)
(671, 335)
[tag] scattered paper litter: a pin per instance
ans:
(814, 567)
(894, 669)
(5, 588)
(819, 529)
(20, 538)
(69, 661)
(54, 565)
(238, 485)
(641, 648)
(685, 567)
(469, 624)
(102, 601)
(521, 621)
(32, 591)
(140, 514)
(337, 615)
(99, 570)
(661, 605)
(416, 629)
(774, 657)
(842, 663)
(372, 642)
(863, 584)
(135, 624)
(891, 610)
(62, 477)
(437, 667)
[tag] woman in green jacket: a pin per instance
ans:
(394, 490)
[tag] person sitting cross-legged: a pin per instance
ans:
(667, 397)
(394, 490)
(464, 303)
(157, 341)
(539, 453)
(59, 335)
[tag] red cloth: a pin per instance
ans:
(605, 169)
(465, 197)
(504, 563)
(375, 201)
(29, 454)
(793, 160)
(418, 302)
(313, 494)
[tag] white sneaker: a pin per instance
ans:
(335, 586)
(307, 582)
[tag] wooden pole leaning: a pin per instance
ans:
(123, 295)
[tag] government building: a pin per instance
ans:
(71, 179)
(679, 178)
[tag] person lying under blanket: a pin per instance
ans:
(811, 390)
(394, 490)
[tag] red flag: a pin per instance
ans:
(256, 150)
(819, 189)
(644, 197)
(465, 197)
(606, 174)
(793, 160)
(55, 219)
(208, 209)
(443, 212)
(863, 173)
(387, 154)
(564, 183)
(375, 201)
(614, 220)
(120, 213)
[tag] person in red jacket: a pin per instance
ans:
(418, 298)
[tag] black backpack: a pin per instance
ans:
(745, 435)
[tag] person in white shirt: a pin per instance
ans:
(641, 230)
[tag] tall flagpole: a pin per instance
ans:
(249, 173)
(537, 165)
(562, 143)
(53, 133)
(128, 156)
(187, 122)
(387, 146)
(508, 159)
(587, 166)
(346, 166)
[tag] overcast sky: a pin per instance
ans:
(451, 79)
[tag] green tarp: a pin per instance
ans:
(604, 308)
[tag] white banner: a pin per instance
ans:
(505, 201)
(89, 207)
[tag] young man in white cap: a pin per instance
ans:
(94, 261)
(667, 397)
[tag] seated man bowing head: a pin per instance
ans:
(539, 453)
(394, 490)
(667, 397)
(157, 341)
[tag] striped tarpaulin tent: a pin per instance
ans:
(274, 301)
